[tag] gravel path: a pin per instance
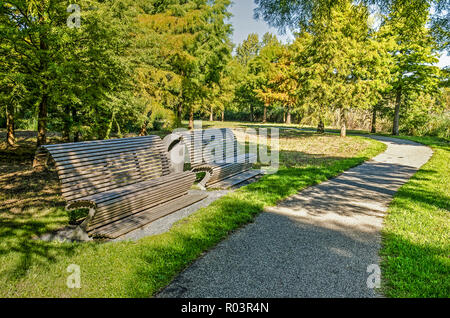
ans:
(317, 243)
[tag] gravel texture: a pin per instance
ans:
(317, 243)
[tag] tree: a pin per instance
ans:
(414, 53)
(64, 71)
(283, 81)
(248, 49)
(341, 66)
(190, 45)
(245, 95)
(260, 67)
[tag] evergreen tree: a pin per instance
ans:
(414, 53)
(342, 67)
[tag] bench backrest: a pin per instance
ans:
(197, 142)
(87, 168)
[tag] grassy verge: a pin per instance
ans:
(416, 243)
(30, 206)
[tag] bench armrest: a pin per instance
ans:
(83, 204)
(208, 173)
(175, 151)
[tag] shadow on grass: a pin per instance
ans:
(25, 214)
(413, 270)
(175, 250)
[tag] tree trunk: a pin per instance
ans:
(108, 130)
(288, 115)
(398, 100)
(223, 115)
(284, 116)
(211, 114)
(143, 130)
(179, 114)
(119, 133)
(320, 126)
(265, 114)
(76, 133)
(343, 123)
(180, 107)
(42, 118)
(252, 117)
(191, 118)
(42, 113)
(373, 130)
(66, 123)
(10, 139)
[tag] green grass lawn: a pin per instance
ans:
(31, 205)
(416, 243)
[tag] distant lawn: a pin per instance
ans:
(30, 205)
(416, 234)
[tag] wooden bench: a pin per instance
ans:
(223, 165)
(125, 183)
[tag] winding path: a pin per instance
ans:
(317, 243)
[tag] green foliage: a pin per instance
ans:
(341, 64)
(415, 81)
(128, 65)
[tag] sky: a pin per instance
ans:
(244, 24)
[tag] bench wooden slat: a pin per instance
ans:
(121, 177)
(206, 158)
(135, 203)
(123, 226)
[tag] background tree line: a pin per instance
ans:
(136, 65)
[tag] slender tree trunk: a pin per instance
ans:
(211, 113)
(320, 125)
(343, 122)
(76, 133)
(265, 114)
(288, 115)
(42, 118)
(179, 114)
(143, 130)
(108, 130)
(42, 110)
(191, 118)
(119, 133)
(373, 130)
(223, 115)
(180, 107)
(252, 117)
(284, 116)
(398, 100)
(10, 139)
(66, 123)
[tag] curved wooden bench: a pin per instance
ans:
(125, 183)
(225, 164)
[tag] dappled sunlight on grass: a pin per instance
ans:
(30, 267)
